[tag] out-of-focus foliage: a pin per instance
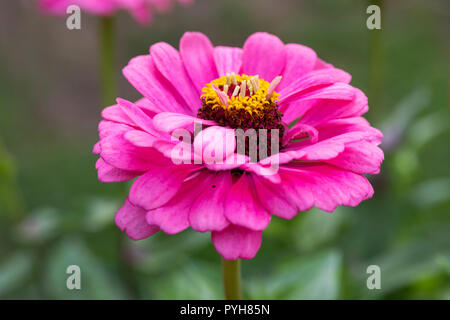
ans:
(54, 212)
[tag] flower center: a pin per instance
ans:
(242, 101)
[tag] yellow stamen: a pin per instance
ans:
(275, 82)
(258, 88)
(243, 88)
(236, 91)
(233, 76)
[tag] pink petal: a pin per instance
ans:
(336, 91)
(215, 144)
(207, 213)
(228, 59)
(299, 61)
(301, 131)
(142, 14)
(120, 153)
(263, 169)
(360, 157)
(140, 138)
(173, 217)
(337, 127)
(108, 173)
(322, 150)
(264, 55)
(110, 128)
(148, 107)
(324, 104)
(275, 199)
(97, 148)
(162, 6)
(168, 61)
(324, 186)
(169, 121)
(320, 64)
(197, 54)
(142, 120)
(131, 219)
(328, 110)
(116, 114)
(157, 186)
(141, 72)
(236, 242)
(242, 206)
(313, 79)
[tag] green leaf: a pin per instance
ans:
(312, 277)
(39, 226)
(97, 281)
(193, 281)
(405, 264)
(100, 214)
(317, 228)
(14, 271)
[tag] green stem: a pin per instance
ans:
(376, 63)
(232, 279)
(107, 61)
(109, 93)
(11, 201)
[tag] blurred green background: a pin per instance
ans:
(54, 212)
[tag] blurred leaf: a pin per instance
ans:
(7, 166)
(425, 129)
(312, 277)
(404, 112)
(431, 193)
(317, 228)
(193, 281)
(405, 264)
(167, 252)
(97, 282)
(406, 165)
(14, 271)
(100, 214)
(39, 226)
(10, 198)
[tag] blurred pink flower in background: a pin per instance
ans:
(141, 10)
(323, 157)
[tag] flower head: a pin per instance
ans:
(182, 140)
(141, 10)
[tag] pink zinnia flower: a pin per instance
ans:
(141, 10)
(322, 159)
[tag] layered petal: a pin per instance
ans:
(208, 211)
(324, 186)
(131, 220)
(236, 242)
(214, 145)
(169, 63)
(197, 54)
(243, 207)
(108, 173)
(264, 55)
(173, 217)
(120, 153)
(228, 59)
(275, 198)
(168, 122)
(300, 60)
(142, 73)
(361, 157)
(158, 185)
